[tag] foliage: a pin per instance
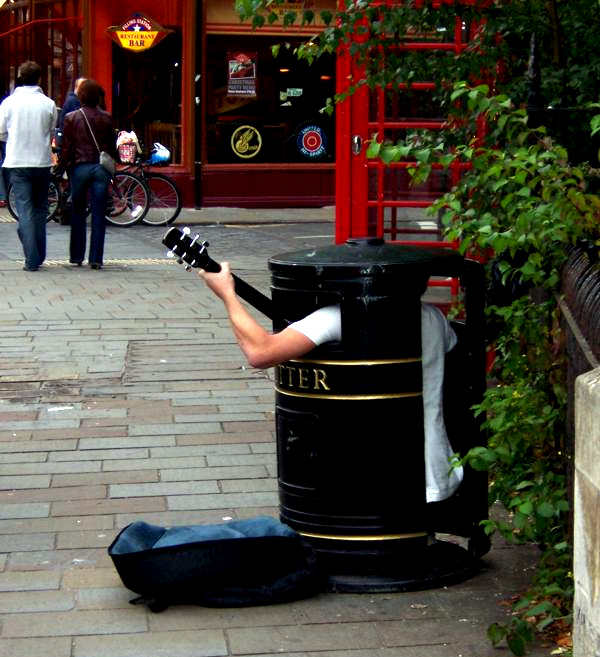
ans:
(520, 208)
(522, 204)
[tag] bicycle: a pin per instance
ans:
(164, 197)
(128, 200)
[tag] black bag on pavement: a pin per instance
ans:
(240, 563)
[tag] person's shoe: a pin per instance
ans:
(76, 262)
(95, 265)
(26, 268)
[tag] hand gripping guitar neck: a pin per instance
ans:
(193, 253)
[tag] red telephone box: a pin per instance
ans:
(376, 199)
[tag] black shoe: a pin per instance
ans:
(95, 265)
(25, 268)
(76, 262)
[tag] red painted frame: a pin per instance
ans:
(356, 203)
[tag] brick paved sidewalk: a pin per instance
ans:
(124, 397)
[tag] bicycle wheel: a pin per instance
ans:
(127, 200)
(165, 200)
(53, 195)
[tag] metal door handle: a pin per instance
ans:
(357, 144)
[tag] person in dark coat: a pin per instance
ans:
(80, 155)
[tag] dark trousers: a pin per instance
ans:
(95, 179)
(30, 187)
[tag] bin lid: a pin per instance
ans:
(368, 257)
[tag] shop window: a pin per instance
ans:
(147, 93)
(266, 108)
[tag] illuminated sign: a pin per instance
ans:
(246, 141)
(312, 142)
(138, 33)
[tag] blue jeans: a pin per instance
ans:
(2, 174)
(96, 179)
(30, 185)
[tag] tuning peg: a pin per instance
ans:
(170, 254)
(186, 230)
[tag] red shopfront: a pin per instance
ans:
(265, 140)
(234, 143)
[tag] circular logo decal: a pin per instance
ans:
(246, 141)
(312, 141)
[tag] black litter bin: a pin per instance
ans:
(350, 417)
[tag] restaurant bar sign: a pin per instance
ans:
(138, 33)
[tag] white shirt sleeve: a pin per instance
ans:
(323, 325)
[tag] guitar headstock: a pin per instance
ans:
(190, 251)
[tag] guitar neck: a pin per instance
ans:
(255, 298)
(246, 292)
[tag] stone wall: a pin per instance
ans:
(581, 315)
(586, 626)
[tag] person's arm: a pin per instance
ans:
(261, 348)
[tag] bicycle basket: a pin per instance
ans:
(127, 153)
(160, 154)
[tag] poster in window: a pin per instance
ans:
(241, 74)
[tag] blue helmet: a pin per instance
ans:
(160, 154)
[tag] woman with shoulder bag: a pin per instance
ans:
(88, 132)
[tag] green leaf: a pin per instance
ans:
(545, 509)
(516, 645)
(496, 633)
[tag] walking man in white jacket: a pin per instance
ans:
(27, 121)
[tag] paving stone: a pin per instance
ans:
(23, 482)
(54, 467)
(218, 473)
(163, 488)
(90, 578)
(222, 500)
(54, 494)
(249, 485)
(52, 525)
(84, 539)
(100, 507)
(229, 438)
(39, 445)
(104, 598)
(32, 601)
(203, 643)
(171, 429)
(93, 479)
(199, 450)
(281, 639)
(126, 442)
(58, 559)
(74, 623)
(44, 647)
(26, 542)
(24, 511)
(153, 464)
(33, 581)
(99, 454)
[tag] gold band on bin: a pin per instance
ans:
(383, 361)
(314, 379)
(394, 395)
(383, 537)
